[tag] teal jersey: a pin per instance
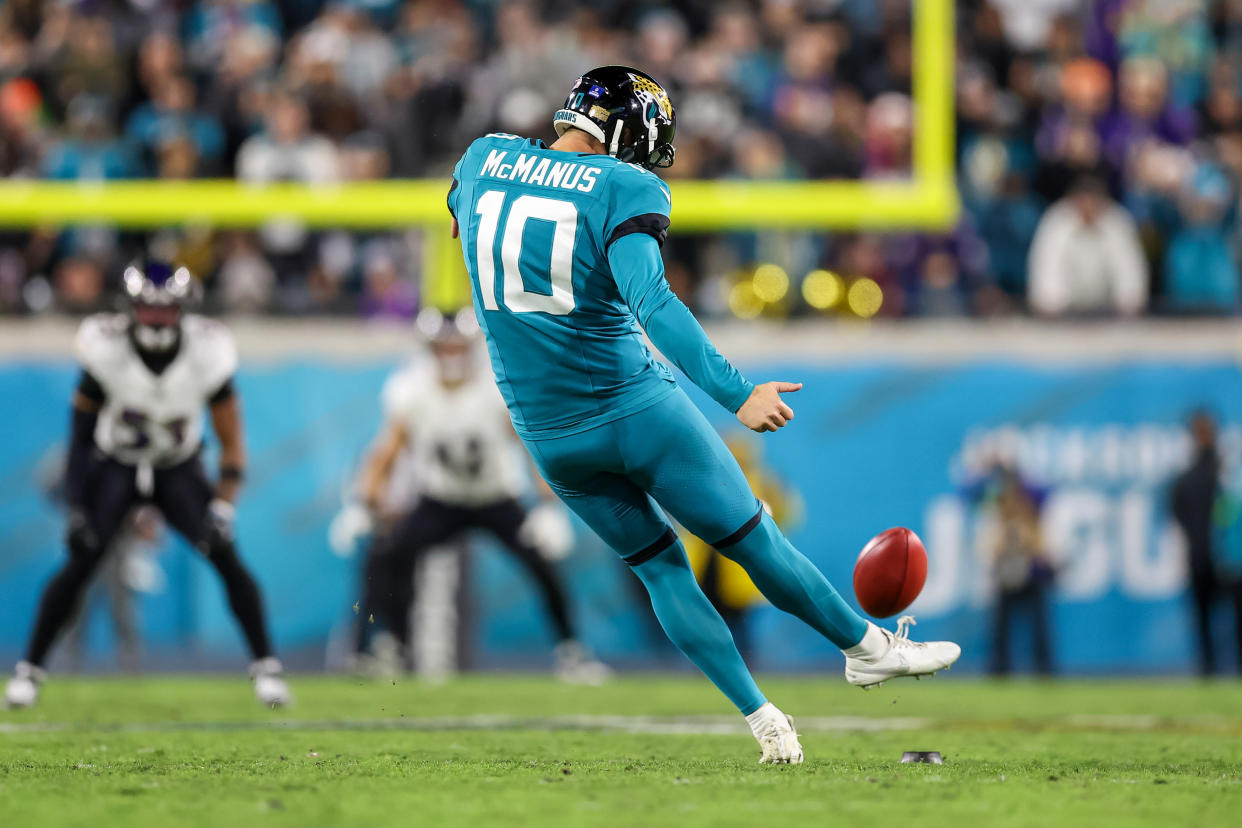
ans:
(536, 227)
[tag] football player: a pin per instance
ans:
(137, 432)
(563, 248)
(455, 423)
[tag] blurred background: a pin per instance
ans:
(1040, 375)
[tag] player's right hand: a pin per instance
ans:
(220, 517)
(764, 410)
(79, 535)
(349, 528)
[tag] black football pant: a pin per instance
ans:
(390, 569)
(182, 493)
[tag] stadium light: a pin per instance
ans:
(865, 298)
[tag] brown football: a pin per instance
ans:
(890, 572)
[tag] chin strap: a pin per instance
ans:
(615, 146)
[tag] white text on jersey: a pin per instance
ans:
(531, 169)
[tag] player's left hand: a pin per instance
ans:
(764, 410)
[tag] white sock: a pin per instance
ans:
(873, 645)
(761, 720)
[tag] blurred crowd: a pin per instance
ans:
(1099, 142)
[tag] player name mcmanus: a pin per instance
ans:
(531, 169)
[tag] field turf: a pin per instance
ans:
(523, 750)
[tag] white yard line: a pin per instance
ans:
(647, 725)
(643, 725)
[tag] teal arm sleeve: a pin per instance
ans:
(639, 273)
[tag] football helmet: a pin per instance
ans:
(451, 340)
(436, 327)
(156, 293)
(624, 109)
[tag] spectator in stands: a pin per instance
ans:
(1086, 258)
(170, 116)
(940, 290)
(14, 50)
(890, 131)
(240, 90)
(160, 57)
(246, 279)
(85, 60)
(1069, 136)
(1200, 273)
(1175, 34)
(79, 284)
(995, 166)
(1221, 109)
(426, 97)
(1194, 498)
(1145, 112)
(1048, 91)
(1029, 22)
(22, 135)
(176, 157)
(90, 153)
(287, 150)
(386, 293)
(211, 24)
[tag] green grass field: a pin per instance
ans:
(522, 750)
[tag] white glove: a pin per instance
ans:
(348, 528)
(220, 518)
(547, 529)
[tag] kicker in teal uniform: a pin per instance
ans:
(563, 248)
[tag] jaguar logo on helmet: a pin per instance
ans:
(642, 83)
(624, 109)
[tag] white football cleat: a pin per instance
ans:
(269, 683)
(776, 736)
(883, 655)
(23, 689)
(574, 665)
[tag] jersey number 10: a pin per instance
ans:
(517, 299)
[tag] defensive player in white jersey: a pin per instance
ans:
(136, 436)
(456, 424)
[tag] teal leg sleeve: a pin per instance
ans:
(793, 584)
(692, 623)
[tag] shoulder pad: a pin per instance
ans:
(211, 346)
(632, 183)
(102, 339)
(403, 388)
(508, 136)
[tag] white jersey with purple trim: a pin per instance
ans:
(148, 418)
(465, 452)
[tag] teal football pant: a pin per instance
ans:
(617, 476)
